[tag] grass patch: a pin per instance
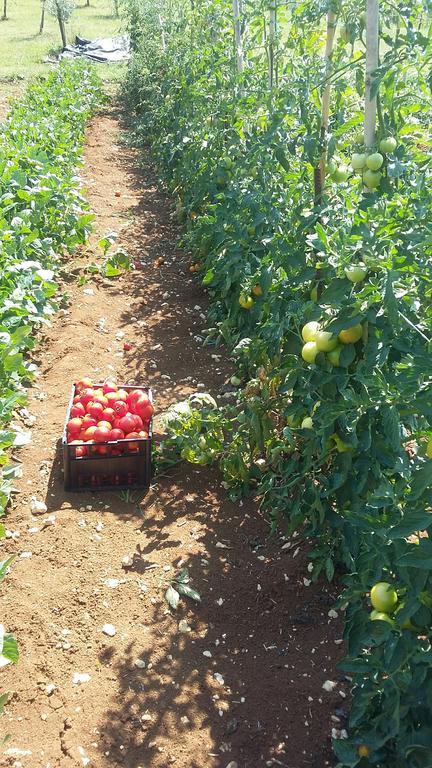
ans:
(23, 49)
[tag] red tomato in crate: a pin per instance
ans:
(87, 396)
(102, 400)
(95, 409)
(102, 450)
(122, 395)
(112, 398)
(81, 437)
(144, 409)
(138, 422)
(81, 451)
(89, 421)
(84, 383)
(89, 433)
(127, 423)
(108, 414)
(77, 410)
(102, 434)
(105, 424)
(109, 387)
(133, 398)
(74, 426)
(117, 434)
(77, 399)
(120, 408)
(143, 433)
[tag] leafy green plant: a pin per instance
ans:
(180, 586)
(272, 198)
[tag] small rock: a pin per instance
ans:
(25, 555)
(184, 626)
(329, 685)
(139, 663)
(332, 614)
(185, 720)
(218, 678)
(37, 507)
(127, 560)
(109, 629)
(79, 678)
(208, 654)
(232, 764)
(49, 689)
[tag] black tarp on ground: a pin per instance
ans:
(105, 50)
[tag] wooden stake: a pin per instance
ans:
(372, 58)
(238, 36)
(320, 172)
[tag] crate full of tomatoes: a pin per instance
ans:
(107, 437)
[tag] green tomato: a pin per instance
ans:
(293, 421)
(307, 423)
(220, 181)
(334, 356)
(381, 616)
(351, 335)
(314, 293)
(358, 161)
(359, 138)
(344, 33)
(246, 302)
(228, 163)
(251, 231)
(331, 166)
(341, 174)
(325, 341)
(388, 145)
(372, 179)
(309, 352)
(374, 161)
(310, 330)
(383, 597)
(356, 273)
(235, 381)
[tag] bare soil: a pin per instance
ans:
(245, 683)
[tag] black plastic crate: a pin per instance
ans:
(129, 470)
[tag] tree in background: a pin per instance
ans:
(62, 10)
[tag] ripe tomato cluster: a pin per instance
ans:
(106, 414)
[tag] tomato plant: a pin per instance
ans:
(323, 208)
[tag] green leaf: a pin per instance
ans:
(186, 590)
(172, 597)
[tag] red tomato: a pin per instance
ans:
(74, 426)
(144, 409)
(95, 410)
(112, 398)
(117, 451)
(77, 399)
(101, 399)
(77, 410)
(138, 422)
(105, 424)
(120, 408)
(102, 450)
(88, 421)
(122, 395)
(102, 434)
(109, 386)
(143, 433)
(87, 395)
(108, 414)
(127, 423)
(127, 346)
(117, 434)
(89, 433)
(81, 437)
(84, 383)
(80, 451)
(133, 398)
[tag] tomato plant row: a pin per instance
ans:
(42, 216)
(321, 289)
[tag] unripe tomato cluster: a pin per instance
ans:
(364, 162)
(316, 340)
(107, 414)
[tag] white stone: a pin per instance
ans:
(139, 663)
(37, 507)
(109, 629)
(80, 677)
(329, 685)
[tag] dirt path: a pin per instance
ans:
(245, 684)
